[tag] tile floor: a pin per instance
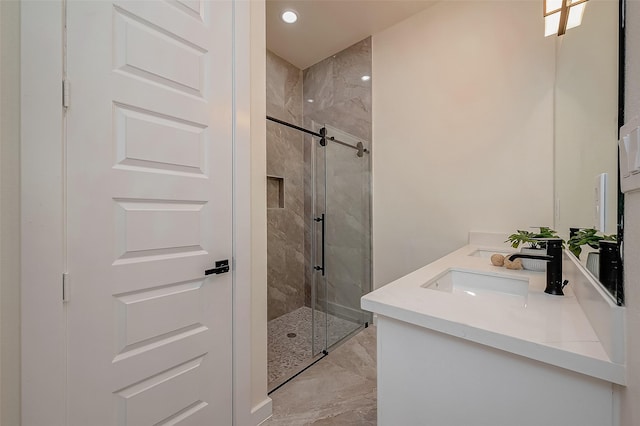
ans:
(289, 341)
(340, 389)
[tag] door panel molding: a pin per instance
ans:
(135, 237)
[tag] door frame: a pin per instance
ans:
(43, 328)
(42, 161)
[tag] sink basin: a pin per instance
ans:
(486, 254)
(495, 288)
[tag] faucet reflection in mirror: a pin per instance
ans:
(561, 15)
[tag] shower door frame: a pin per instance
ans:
(317, 260)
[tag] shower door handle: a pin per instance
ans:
(321, 268)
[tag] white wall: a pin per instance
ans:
(10, 213)
(462, 129)
(631, 394)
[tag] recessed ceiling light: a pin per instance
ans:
(289, 16)
(365, 78)
(310, 101)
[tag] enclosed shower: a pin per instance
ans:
(318, 206)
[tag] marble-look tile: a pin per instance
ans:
(275, 80)
(285, 159)
(339, 390)
(318, 85)
(348, 235)
(352, 116)
(358, 354)
(308, 216)
(342, 100)
(284, 89)
(275, 149)
(275, 193)
(349, 67)
(285, 152)
(293, 96)
(285, 262)
(291, 344)
(349, 230)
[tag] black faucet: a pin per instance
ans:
(554, 265)
(608, 265)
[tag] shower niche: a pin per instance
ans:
(318, 207)
(275, 192)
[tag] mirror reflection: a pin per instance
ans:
(586, 130)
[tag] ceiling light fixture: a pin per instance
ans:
(561, 15)
(289, 16)
(365, 78)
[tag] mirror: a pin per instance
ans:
(586, 122)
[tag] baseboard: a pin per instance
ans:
(262, 412)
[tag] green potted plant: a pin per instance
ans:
(589, 237)
(532, 245)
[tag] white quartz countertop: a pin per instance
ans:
(550, 329)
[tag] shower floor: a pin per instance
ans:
(288, 354)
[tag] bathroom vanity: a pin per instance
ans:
(463, 342)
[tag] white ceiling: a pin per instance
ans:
(326, 27)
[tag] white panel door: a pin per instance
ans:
(149, 155)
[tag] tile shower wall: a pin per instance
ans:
(336, 95)
(340, 97)
(285, 183)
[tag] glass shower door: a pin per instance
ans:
(343, 195)
(318, 243)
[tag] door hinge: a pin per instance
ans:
(65, 287)
(65, 93)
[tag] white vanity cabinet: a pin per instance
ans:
(427, 377)
(457, 359)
